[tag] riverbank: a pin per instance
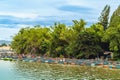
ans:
(64, 61)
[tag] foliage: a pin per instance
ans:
(115, 18)
(31, 40)
(112, 33)
(103, 19)
(113, 36)
(75, 41)
(86, 42)
(59, 40)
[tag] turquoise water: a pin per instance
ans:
(37, 71)
(42, 71)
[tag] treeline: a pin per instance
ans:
(3, 44)
(75, 41)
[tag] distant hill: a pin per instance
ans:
(4, 41)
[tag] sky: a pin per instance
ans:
(16, 14)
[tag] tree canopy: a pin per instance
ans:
(75, 41)
(59, 40)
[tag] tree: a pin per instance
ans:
(112, 33)
(77, 27)
(98, 30)
(112, 36)
(17, 42)
(103, 19)
(32, 40)
(115, 18)
(59, 40)
(85, 41)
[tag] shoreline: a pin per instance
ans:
(69, 65)
(67, 62)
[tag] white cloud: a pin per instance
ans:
(20, 15)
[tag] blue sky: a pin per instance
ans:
(15, 14)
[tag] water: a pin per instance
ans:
(43, 71)
(36, 71)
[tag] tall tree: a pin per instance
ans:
(115, 18)
(103, 19)
(112, 33)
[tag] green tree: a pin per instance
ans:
(32, 40)
(98, 30)
(59, 40)
(115, 18)
(85, 41)
(78, 27)
(103, 19)
(113, 37)
(112, 33)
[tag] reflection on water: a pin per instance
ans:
(44, 71)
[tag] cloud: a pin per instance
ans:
(41, 7)
(78, 9)
(12, 21)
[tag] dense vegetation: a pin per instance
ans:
(75, 41)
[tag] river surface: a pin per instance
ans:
(43, 71)
(36, 71)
